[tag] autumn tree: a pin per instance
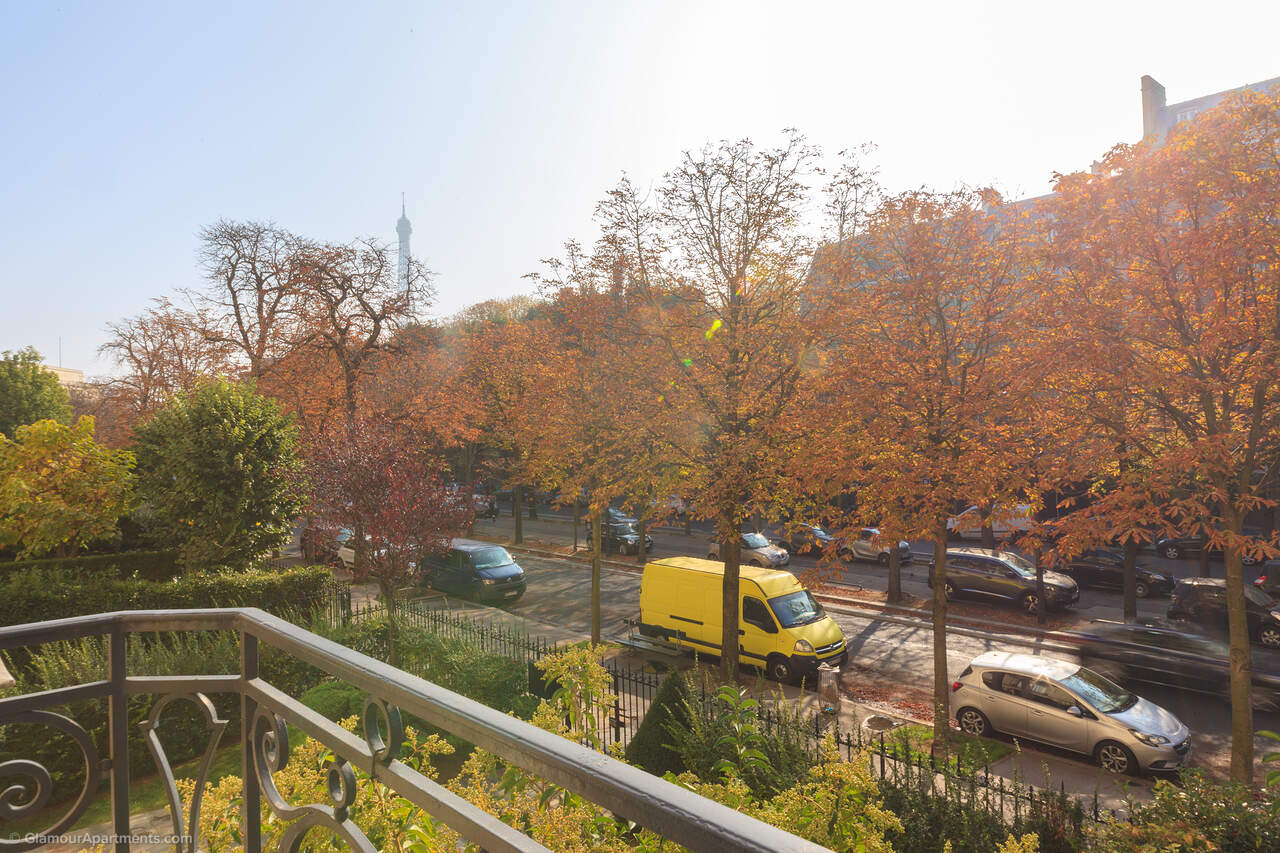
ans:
(717, 327)
(29, 392)
(1189, 233)
(59, 489)
(923, 392)
(217, 472)
(375, 482)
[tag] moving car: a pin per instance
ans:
(1005, 522)
(1174, 547)
(755, 550)
(1068, 706)
(477, 570)
(782, 628)
(865, 547)
(1204, 601)
(1104, 568)
(1003, 576)
(1153, 653)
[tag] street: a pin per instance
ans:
(559, 594)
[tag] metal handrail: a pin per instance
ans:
(660, 806)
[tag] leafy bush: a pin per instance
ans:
(334, 700)
(651, 746)
(41, 594)
(1198, 814)
(147, 565)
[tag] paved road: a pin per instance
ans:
(559, 594)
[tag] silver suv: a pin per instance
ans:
(1065, 705)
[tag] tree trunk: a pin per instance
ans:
(1203, 562)
(517, 496)
(640, 554)
(1241, 667)
(389, 600)
(895, 575)
(988, 532)
(533, 504)
(941, 682)
(577, 510)
(1042, 607)
(596, 539)
(1131, 580)
(732, 555)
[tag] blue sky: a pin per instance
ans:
(128, 126)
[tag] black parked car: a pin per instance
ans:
(477, 570)
(1204, 601)
(1003, 575)
(621, 537)
(1174, 547)
(1129, 653)
(1104, 568)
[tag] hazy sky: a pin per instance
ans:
(128, 126)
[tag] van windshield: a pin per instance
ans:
(797, 608)
(490, 558)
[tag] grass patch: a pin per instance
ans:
(965, 753)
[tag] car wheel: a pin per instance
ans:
(973, 722)
(1030, 603)
(1269, 636)
(711, 555)
(1141, 589)
(1171, 551)
(949, 590)
(1115, 757)
(759, 564)
(779, 669)
(883, 559)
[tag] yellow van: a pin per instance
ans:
(781, 628)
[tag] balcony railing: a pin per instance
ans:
(664, 808)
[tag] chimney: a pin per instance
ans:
(1152, 106)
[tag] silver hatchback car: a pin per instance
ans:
(1065, 705)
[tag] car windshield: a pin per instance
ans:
(1019, 564)
(754, 540)
(1257, 596)
(489, 558)
(797, 608)
(1103, 556)
(1106, 696)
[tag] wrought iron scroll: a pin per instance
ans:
(19, 800)
(186, 842)
(270, 755)
(386, 748)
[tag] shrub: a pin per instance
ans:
(146, 565)
(41, 594)
(334, 700)
(651, 746)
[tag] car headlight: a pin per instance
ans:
(804, 647)
(488, 581)
(1149, 740)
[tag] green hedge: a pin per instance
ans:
(147, 565)
(40, 594)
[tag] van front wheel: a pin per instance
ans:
(779, 669)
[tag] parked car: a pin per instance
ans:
(346, 550)
(1104, 568)
(866, 548)
(1006, 521)
(1070, 707)
(755, 550)
(485, 506)
(806, 539)
(477, 570)
(1204, 601)
(621, 538)
(782, 628)
(1003, 576)
(1174, 547)
(1130, 653)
